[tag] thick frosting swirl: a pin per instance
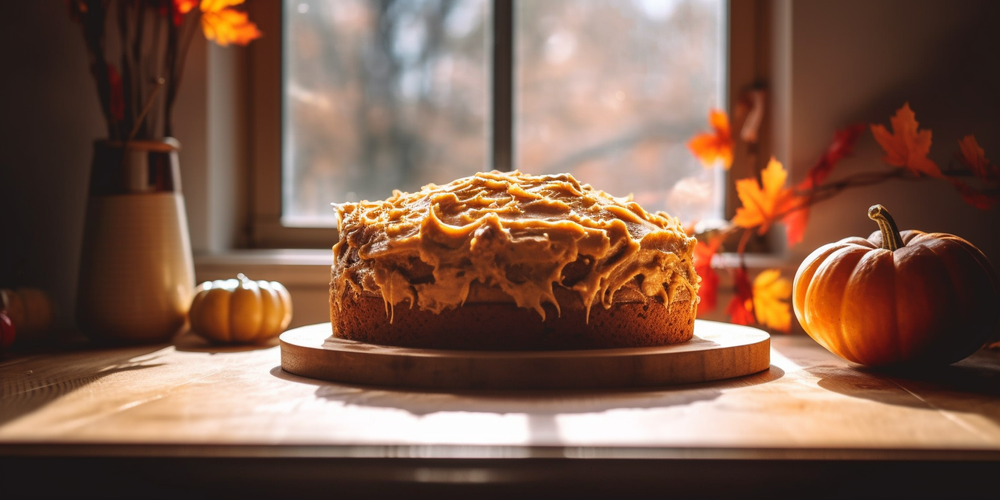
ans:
(519, 233)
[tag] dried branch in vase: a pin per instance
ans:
(768, 201)
(149, 40)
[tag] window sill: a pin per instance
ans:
(291, 267)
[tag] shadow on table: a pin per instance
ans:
(955, 387)
(188, 341)
(26, 386)
(424, 402)
(540, 407)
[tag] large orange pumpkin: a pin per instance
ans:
(897, 298)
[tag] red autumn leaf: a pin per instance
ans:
(974, 157)
(795, 225)
(841, 147)
(740, 308)
(715, 146)
(907, 146)
(708, 292)
(7, 331)
(739, 311)
(973, 196)
(116, 102)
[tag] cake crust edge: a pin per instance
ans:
(503, 326)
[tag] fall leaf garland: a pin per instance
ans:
(764, 202)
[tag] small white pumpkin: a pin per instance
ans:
(240, 311)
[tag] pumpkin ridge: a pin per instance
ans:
(971, 308)
(805, 276)
(919, 314)
(871, 286)
(823, 313)
(843, 307)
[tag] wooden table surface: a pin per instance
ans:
(191, 415)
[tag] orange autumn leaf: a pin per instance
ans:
(764, 201)
(907, 146)
(715, 146)
(216, 5)
(225, 25)
(771, 295)
(184, 6)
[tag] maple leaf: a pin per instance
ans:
(225, 25)
(715, 146)
(764, 201)
(708, 291)
(795, 225)
(740, 308)
(907, 146)
(771, 295)
(739, 311)
(974, 157)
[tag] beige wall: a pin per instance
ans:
(860, 60)
(851, 61)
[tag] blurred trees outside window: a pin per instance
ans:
(395, 94)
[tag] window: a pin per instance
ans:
(359, 97)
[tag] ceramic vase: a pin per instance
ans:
(136, 273)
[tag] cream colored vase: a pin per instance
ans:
(136, 278)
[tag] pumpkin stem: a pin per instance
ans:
(891, 239)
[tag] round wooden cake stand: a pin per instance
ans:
(717, 351)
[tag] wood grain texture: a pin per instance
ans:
(192, 398)
(717, 351)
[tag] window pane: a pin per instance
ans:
(610, 91)
(380, 95)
